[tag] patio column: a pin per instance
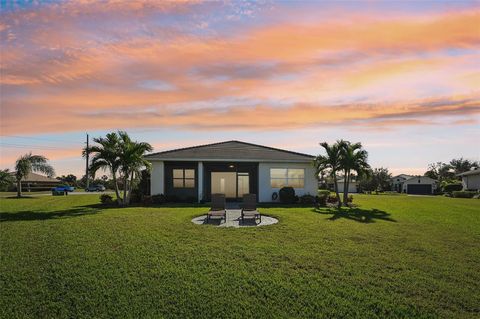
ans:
(200, 181)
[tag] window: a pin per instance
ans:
(293, 177)
(183, 178)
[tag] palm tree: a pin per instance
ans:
(6, 179)
(331, 162)
(106, 156)
(352, 158)
(31, 163)
(119, 154)
(132, 162)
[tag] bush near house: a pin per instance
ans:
(287, 195)
(307, 200)
(463, 194)
(453, 187)
(322, 197)
(159, 199)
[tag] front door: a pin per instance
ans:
(232, 184)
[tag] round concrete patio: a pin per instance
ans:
(234, 220)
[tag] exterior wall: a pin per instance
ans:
(352, 187)
(423, 180)
(471, 182)
(181, 193)
(157, 184)
(265, 191)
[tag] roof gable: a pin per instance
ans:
(33, 177)
(471, 172)
(231, 151)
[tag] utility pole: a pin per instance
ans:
(86, 166)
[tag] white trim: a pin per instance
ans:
(200, 181)
(227, 160)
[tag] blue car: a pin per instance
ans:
(63, 188)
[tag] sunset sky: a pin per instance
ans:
(401, 77)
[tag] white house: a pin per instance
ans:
(397, 182)
(419, 185)
(352, 186)
(471, 179)
(233, 168)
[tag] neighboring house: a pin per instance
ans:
(420, 185)
(36, 182)
(352, 186)
(471, 179)
(233, 168)
(397, 182)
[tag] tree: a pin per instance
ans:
(353, 158)
(119, 154)
(70, 179)
(106, 156)
(377, 179)
(31, 163)
(331, 163)
(132, 162)
(6, 179)
(440, 171)
(462, 165)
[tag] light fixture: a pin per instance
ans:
(231, 166)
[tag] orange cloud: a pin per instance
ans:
(61, 75)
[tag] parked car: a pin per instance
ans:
(95, 188)
(63, 188)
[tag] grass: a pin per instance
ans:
(393, 256)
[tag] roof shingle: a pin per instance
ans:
(231, 151)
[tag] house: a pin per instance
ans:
(36, 182)
(352, 185)
(419, 185)
(397, 182)
(233, 168)
(471, 179)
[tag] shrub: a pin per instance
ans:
(350, 199)
(332, 199)
(448, 188)
(323, 192)
(322, 197)
(136, 196)
(146, 200)
(307, 200)
(106, 199)
(287, 195)
(464, 194)
(159, 199)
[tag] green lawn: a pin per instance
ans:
(394, 256)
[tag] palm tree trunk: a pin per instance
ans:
(130, 188)
(125, 186)
(345, 192)
(115, 184)
(19, 188)
(336, 189)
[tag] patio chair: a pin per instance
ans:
(217, 208)
(249, 208)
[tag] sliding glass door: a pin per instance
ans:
(232, 184)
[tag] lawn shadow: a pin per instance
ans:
(356, 214)
(26, 215)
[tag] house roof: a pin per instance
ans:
(472, 172)
(33, 177)
(231, 151)
(403, 176)
(420, 177)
